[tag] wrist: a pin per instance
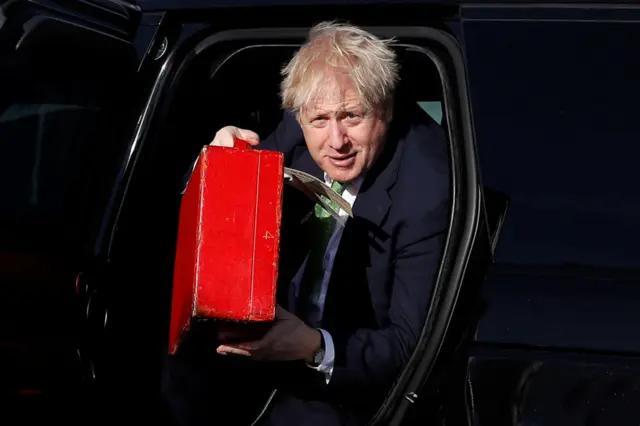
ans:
(314, 344)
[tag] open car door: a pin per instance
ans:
(436, 387)
(67, 69)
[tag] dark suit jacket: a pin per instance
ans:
(388, 256)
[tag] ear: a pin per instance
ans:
(389, 113)
(389, 108)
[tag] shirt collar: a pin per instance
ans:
(354, 185)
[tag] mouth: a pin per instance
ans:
(343, 160)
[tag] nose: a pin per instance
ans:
(337, 135)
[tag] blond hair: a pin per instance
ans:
(331, 49)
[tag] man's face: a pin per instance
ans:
(342, 137)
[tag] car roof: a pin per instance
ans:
(148, 5)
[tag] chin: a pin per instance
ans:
(343, 175)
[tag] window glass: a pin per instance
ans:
(434, 109)
(556, 120)
(55, 165)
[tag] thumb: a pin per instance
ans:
(228, 349)
(247, 135)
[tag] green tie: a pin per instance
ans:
(320, 211)
(322, 227)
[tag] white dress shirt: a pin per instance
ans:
(315, 315)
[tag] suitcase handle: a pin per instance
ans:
(241, 144)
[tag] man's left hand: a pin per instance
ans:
(288, 339)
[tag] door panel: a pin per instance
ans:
(521, 387)
(62, 138)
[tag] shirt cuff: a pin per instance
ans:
(326, 366)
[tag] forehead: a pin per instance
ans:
(334, 95)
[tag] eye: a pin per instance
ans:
(318, 121)
(352, 117)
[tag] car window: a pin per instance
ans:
(433, 108)
(557, 128)
(43, 144)
(55, 167)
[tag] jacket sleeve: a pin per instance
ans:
(373, 358)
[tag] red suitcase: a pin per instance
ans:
(226, 263)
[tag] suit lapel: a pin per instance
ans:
(373, 200)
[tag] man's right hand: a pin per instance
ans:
(225, 136)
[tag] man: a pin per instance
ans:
(352, 303)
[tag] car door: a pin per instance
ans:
(554, 92)
(67, 109)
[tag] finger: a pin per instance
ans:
(225, 350)
(248, 136)
(223, 137)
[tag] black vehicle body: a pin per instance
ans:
(532, 321)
